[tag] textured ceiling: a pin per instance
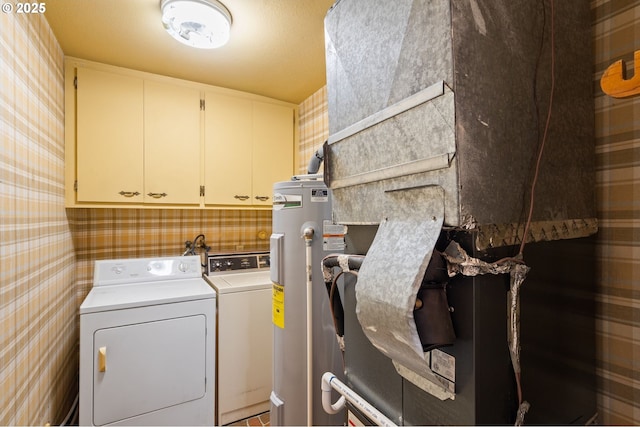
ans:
(276, 47)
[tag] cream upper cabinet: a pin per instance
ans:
(109, 151)
(248, 147)
(139, 139)
(171, 144)
(227, 150)
(272, 154)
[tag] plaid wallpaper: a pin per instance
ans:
(313, 126)
(139, 233)
(38, 327)
(616, 29)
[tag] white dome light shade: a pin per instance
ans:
(204, 24)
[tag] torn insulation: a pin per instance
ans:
(459, 262)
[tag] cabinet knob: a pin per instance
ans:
(129, 193)
(262, 198)
(157, 195)
(240, 197)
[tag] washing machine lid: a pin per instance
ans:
(240, 282)
(122, 296)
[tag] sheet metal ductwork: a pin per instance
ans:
(455, 93)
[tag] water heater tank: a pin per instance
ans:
(300, 204)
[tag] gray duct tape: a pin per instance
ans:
(390, 277)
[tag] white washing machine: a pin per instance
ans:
(245, 334)
(147, 344)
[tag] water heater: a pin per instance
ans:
(303, 234)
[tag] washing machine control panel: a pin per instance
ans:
(109, 272)
(221, 263)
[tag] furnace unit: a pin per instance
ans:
(461, 129)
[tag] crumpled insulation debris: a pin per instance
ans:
(459, 262)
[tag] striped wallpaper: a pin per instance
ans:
(616, 30)
(38, 327)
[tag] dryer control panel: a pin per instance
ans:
(113, 272)
(224, 263)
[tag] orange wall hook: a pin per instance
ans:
(614, 82)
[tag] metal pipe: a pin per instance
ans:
(307, 234)
(315, 161)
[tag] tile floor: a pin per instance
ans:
(257, 421)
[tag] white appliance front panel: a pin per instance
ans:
(195, 412)
(148, 367)
(245, 342)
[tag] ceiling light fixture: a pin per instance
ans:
(204, 24)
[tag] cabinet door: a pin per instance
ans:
(272, 149)
(109, 137)
(227, 150)
(171, 144)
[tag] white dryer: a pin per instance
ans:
(147, 344)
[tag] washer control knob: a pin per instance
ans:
(183, 267)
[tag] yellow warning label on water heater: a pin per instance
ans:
(277, 312)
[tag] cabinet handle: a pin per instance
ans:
(157, 195)
(240, 197)
(129, 193)
(262, 198)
